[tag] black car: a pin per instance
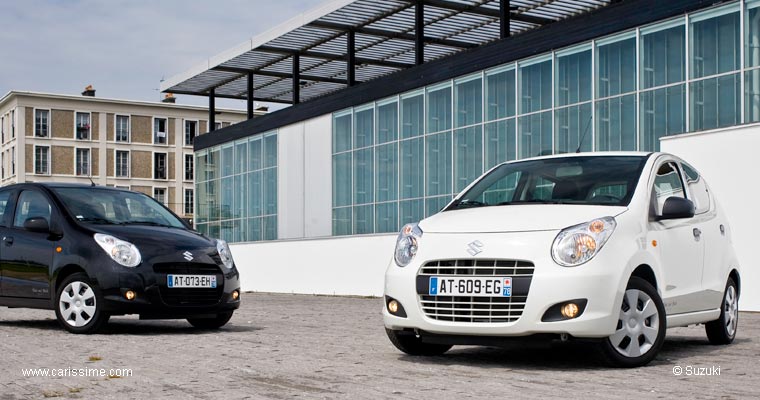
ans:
(89, 252)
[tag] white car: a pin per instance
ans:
(616, 247)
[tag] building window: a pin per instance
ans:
(42, 160)
(13, 161)
(83, 126)
(83, 162)
(2, 129)
(217, 126)
(189, 167)
(159, 166)
(191, 131)
(122, 128)
(160, 129)
(189, 202)
(122, 164)
(41, 118)
(616, 83)
(13, 124)
(160, 195)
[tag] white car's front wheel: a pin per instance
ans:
(641, 326)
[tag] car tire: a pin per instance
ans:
(723, 329)
(413, 345)
(78, 305)
(211, 323)
(640, 331)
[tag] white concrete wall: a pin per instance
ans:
(352, 265)
(727, 159)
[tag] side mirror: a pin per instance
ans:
(676, 207)
(37, 224)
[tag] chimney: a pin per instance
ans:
(169, 98)
(89, 91)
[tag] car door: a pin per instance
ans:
(678, 242)
(26, 256)
(5, 197)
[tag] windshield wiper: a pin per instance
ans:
(151, 223)
(98, 220)
(467, 203)
(508, 203)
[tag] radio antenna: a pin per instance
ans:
(580, 142)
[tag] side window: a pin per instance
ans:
(31, 204)
(698, 190)
(667, 183)
(4, 197)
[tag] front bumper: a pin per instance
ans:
(600, 281)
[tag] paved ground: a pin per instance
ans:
(289, 346)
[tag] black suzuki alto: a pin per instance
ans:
(90, 252)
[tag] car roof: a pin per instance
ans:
(54, 185)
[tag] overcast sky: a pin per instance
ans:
(124, 47)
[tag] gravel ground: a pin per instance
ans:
(280, 346)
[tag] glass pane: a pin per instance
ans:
(386, 215)
(226, 204)
(238, 234)
(342, 221)
(501, 144)
(469, 103)
(342, 180)
(468, 156)
(241, 196)
(201, 206)
(200, 166)
(363, 128)
(269, 177)
(662, 112)
(270, 151)
(241, 157)
(213, 231)
(571, 124)
(663, 57)
(616, 68)
(212, 191)
(342, 133)
(574, 78)
(500, 98)
(255, 190)
(412, 116)
(752, 54)
(227, 160)
(269, 227)
(438, 164)
(364, 220)
(752, 102)
(386, 172)
(715, 102)
(254, 229)
(363, 182)
(412, 168)
(254, 153)
(227, 231)
(411, 211)
(715, 45)
(439, 110)
(536, 135)
(387, 122)
(435, 204)
(616, 124)
(212, 165)
(536, 87)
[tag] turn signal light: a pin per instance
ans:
(235, 295)
(130, 295)
(393, 306)
(570, 310)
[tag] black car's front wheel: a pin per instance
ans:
(211, 323)
(78, 305)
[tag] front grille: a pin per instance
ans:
(188, 296)
(477, 309)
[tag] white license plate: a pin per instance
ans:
(191, 281)
(492, 286)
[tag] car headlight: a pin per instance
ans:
(224, 253)
(407, 244)
(122, 252)
(577, 244)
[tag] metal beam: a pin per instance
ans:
(211, 110)
(240, 96)
(419, 33)
(351, 58)
(334, 57)
(391, 34)
(249, 95)
(504, 31)
(278, 74)
(296, 80)
(486, 12)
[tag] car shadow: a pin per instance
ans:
(118, 326)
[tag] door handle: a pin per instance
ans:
(697, 233)
(8, 240)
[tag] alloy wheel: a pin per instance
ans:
(731, 311)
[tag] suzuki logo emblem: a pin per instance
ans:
(475, 248)
(188, 256)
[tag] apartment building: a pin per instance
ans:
(138, 145)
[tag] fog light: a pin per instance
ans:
(235, 295)
(393, 306)
(570, 310)
(130, 295)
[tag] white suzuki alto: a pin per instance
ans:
(616, 247)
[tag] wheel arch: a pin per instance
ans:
(645, 272)
(64, 272)
(734, 274)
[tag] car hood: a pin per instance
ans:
(516, 218)
(156, 239)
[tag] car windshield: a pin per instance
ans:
(589, 180)
(115, 207)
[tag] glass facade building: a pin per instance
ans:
(236, 189)
(400, 159)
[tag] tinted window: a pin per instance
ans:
(104, 206)
(605, 180)
(31, 204)
(667, 183)
(4, 197)
(698, 190)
